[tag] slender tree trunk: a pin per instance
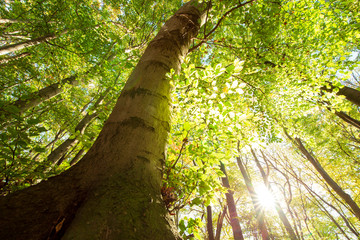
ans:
(77, 157)
(346, 197)
(13, 58)
(258, 210)
(55, 155)
(38, 97)
(278, 208)
(234, 219)
(350, 94)
(323, 209)
(18, 46)
(219, 223)
(315, 196)
(209, 223)
(113, 192)
(354, 122)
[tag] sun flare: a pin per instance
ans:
(265, 198)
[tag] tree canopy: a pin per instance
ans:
(269, 86)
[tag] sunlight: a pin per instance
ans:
(265, 198)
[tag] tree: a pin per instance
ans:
(142, 112)
(259, 211)
(254, 67)
(234, 220)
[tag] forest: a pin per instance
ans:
(177, 119)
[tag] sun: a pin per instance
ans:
(265, 198)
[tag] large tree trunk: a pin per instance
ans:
(114, 191)
(18, 46)
(234, 219)
(278, 208)
(258, 210)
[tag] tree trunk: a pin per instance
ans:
(55, 155)
(113, 192)
(36, 98)
(258, 210)
(346, 197)
(350, 94)
(77, 157)
(209, 223)
(348, 119)
(234, 219)
(18, 46)
(219, 223)
(13, 58)
(278, 208)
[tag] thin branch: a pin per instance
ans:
(218, 24)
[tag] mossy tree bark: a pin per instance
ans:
(113, 192)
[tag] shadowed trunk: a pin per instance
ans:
(350, 94)
(113, 192)
(348, 119)
(77, 157)
(234, 219)
(209, 223)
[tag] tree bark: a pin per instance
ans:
(77, 157)
(278, 208)
(38, 97)
(19, 46)
(219, 223)
(341, 193)
(348, 119)
(209, 223)
(350, 94)
(113, 192)
(13, 58)
(258, 210)
(234, 219)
